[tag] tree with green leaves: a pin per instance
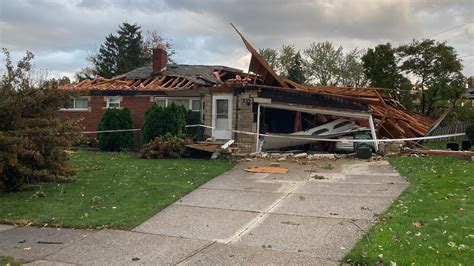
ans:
(296, 71)
(380, 66)
(286, 59)
(437, 69)
(323, 62)
(351, 70)
(382, 71)
(121, 53)
(281, 60)
(33, 136)
(271, 56)
(124, 51)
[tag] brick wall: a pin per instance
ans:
(90, 119)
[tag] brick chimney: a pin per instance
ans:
(160, 60)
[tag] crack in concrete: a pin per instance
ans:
(262, 216)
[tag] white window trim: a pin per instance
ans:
(108, 98)
(190, 99)
(88, 98)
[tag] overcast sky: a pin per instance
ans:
(62, 33)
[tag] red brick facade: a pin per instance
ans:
(90, 119)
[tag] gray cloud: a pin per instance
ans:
(62, 33)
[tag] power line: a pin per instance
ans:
(455, 27)
(464, 56)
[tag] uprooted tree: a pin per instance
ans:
(33, 136)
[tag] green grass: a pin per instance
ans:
(440, 145)
(431, 223)
(9, 261)
(111, 190)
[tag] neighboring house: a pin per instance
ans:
(231, 100)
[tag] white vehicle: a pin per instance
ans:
(329, 130)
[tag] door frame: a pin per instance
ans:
(216, 132)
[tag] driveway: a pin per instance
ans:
(237, 218)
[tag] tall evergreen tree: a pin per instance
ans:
(121, 53)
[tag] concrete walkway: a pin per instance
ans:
(236, 218)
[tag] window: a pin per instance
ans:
(161, 102)
(193, 104)
(222, 110)
(196, 105)
(114, 102)
(78, 103)
(180, 102)
(81, 103)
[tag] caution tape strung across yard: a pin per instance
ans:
(292, 137)
(333, 140)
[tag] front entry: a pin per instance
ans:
(222, 116)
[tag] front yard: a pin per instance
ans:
(111, 190)
(431, 223)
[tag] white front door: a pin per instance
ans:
(222, 116)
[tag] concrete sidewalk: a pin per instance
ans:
(236, 218)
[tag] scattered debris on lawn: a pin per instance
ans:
(418, 224)
(466, 155)
(267, 169)
(326, 166)
(318, 177)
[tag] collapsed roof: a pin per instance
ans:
(393, 119)
(174, 77)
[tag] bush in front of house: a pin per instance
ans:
(168, 146)
(159, 121)
(115, 119)
(151, 122)
(470, 133)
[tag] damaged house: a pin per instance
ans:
(231, 102)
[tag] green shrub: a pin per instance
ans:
(168, 146)
(160, 121)
(114, 119)
(192, 118)
(151, 122)
(470, 133)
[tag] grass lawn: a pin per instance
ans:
(111, 190)
(441, 145)
(431, 223)
(9, 261)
